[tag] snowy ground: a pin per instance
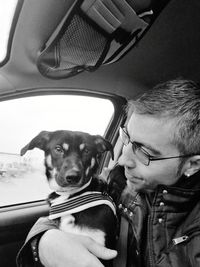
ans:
(22, 189)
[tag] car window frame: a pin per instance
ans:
(111, 132)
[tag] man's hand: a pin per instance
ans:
(61, 249)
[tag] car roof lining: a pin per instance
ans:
(169, 49)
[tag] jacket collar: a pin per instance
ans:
(186, 191)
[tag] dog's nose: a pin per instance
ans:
(72, 179)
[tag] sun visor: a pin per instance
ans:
(93, 33)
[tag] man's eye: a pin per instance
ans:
(146, 153)
(58, 149)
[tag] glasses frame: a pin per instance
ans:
(135, 147)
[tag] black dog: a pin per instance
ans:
(80, 202)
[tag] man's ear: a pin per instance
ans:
(191, 166)
(39, 141)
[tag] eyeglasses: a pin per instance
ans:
(142, 155)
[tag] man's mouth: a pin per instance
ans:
(135, 180)
(131, 178)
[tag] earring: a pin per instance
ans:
(187, 175)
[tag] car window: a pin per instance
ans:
(6, 16)
(22, 179)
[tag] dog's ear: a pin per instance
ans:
(103, 145)
(39, 141)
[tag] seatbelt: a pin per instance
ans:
(121, 259)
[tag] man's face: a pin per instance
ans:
(155, 137)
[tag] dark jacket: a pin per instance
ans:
(164, 228)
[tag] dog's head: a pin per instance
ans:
(71, 158)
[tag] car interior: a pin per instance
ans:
(77, 52)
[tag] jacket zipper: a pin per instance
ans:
(180, 239)
(149, 241)
(184, 238)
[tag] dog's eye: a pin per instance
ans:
(59, 149)
(86, 151)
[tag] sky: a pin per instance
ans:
(23, 118)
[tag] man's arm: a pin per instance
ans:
(26, 255)
(61, 249)
(56, 248)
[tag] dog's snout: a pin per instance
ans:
(73, 175)
(73, 179)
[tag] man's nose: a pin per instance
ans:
(128, 157)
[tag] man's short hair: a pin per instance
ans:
(179, 100)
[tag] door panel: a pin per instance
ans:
(15, 223)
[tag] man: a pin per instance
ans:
(160, 166)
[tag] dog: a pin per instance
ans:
(71, 163)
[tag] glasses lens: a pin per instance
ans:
(124, 136)
(140, 154)
(142, 157)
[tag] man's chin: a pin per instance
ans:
(133, 187)
(138, 187)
